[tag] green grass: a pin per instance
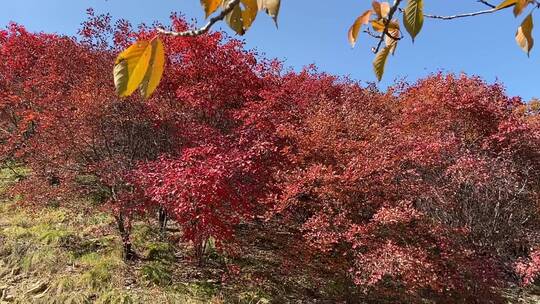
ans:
(55, 255)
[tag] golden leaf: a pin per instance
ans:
(380, 61)
(249, 13)
(381, 8)
(131, 66)
(234, 20)
(505, 4)
(271, 7)
(524, 34)
(155, 69)
(139, 66)
(210, 6)
(357, 25)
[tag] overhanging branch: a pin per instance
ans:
(203, 30)
(489, 11)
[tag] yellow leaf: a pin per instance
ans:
(413, 17)
(381, 8)
(210, 6)
(390, 41)
(234, 20)
(380, 61)
(130, 67)
(520, 6)
(155, 69)
(271, 7)
(524, 35)
(505, 4)
(357, 25)
(249, 13)
(378, 25)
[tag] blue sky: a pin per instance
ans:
(314, 31)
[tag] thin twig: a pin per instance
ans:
(487, 3)
(370, 33)
(197, 32)
(489, 11)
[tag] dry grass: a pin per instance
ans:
(54, 255)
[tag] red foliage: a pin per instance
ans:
(429, 189)
(184, 150)
(431, 186)
(529, 268)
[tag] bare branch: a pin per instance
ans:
(370, 33)
(203, 30)
(489, 11)
(486, 3)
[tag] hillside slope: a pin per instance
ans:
(53, 255)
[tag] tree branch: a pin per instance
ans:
(370, 33)
(489, 11)
(487, 3)
(203, 30)
(385, 32)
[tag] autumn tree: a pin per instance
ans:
(64, 122)
(69, 127)
(211, 181)
(428, 188)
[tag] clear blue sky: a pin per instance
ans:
(314, 31)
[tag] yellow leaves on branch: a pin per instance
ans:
(139, 66)
(381, 12)
(241, 17)
(378, 25)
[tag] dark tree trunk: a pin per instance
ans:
(163, 220)
(127, 253)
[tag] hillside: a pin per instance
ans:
(54, 255)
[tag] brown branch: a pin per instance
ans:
(385, 32)
(203, 30)
(370, 33)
